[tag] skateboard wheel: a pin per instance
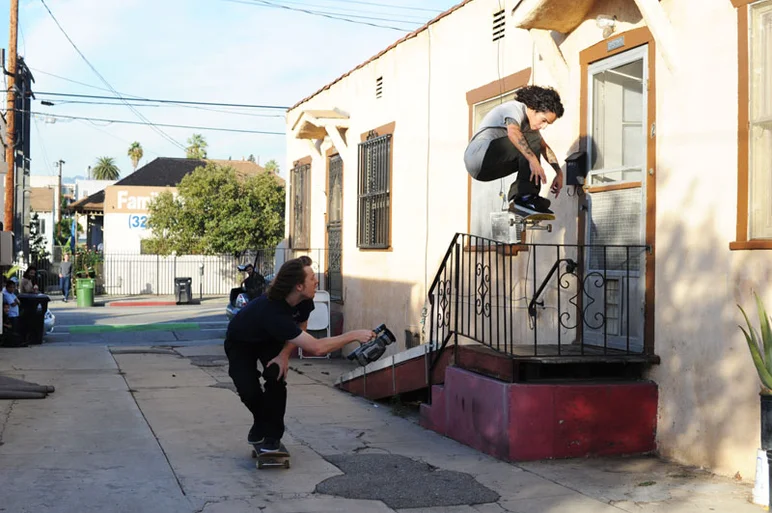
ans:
(254, 453)
(287, 464)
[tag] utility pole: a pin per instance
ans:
(10, 146)
(58, 164)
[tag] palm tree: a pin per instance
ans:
(135, 153)
(196, 147)
(105, 169)
(272, 166)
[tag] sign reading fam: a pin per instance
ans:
(131, 200)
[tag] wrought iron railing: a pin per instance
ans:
(539, 300)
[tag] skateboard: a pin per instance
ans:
(273, 459)
(533, 221)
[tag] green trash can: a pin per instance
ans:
(84, 289)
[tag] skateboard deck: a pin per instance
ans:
(533, 220)
(273, 459)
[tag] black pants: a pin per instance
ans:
(267, 402)
(500, 158)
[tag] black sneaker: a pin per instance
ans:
(255, 437)
(270, 445)
(531, 204)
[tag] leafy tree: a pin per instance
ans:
(196, 147)
(63, 231)
(216, 212)
(37, 241)
(251, 158)
(272, 166)
(105, 169)
(135, 154)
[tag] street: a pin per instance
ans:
(185, 324)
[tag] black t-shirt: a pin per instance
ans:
(302, 310)
(264, 321)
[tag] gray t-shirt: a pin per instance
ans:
(65, 268)
(497, 118)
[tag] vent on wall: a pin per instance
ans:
(499, 24)
(379, 87)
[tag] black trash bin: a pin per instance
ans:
(32, 314)
(182, 290)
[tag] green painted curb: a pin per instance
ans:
(105, 328)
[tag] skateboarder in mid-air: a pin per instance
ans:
(267, 330)
(509, 141)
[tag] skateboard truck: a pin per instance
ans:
(371, 351)
(533, 221)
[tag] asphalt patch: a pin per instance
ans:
(401, 482)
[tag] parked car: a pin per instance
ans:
(49, 320)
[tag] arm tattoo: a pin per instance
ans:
(551, 158)
(518, 139)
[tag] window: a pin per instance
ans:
(754, 133)
(374, 213)
(300, 177)
(42, 226)
(760, 121)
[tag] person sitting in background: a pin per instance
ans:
(29, 281)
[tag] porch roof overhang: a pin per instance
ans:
(558, 15)
(315, 125)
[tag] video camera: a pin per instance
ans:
(371, 351)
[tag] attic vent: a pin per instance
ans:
(499, 24)
(379, 87)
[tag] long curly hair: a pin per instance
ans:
(540, 99)
(291, 273)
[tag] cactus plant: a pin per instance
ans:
(760, 345)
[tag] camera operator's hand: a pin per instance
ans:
(363, 336)
(282, 361)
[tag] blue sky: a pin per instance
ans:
(229, 51)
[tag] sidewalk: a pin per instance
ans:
(160, 430)
(139, 300)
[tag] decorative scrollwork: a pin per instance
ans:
(443, 313)
(595, 280)
(483, 298)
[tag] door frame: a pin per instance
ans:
(607, 48)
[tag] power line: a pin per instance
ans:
(180, 102)
(361, 15)
(132, 97)
(127, 122)
(105, 82)
(374, 4)
(266, 3)
(352, 12)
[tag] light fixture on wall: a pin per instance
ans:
(607, 23)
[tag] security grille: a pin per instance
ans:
(374, 213)
(334, 224)
(301, 206)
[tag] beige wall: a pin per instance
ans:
(708, 413)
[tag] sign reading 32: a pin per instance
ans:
(138, 222)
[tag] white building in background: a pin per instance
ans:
(42, 201)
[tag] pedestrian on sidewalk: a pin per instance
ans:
(65, 276)
(267, 330)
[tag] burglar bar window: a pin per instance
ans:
(301, 206)
(374, 213)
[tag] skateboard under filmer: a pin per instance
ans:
(281, 458)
